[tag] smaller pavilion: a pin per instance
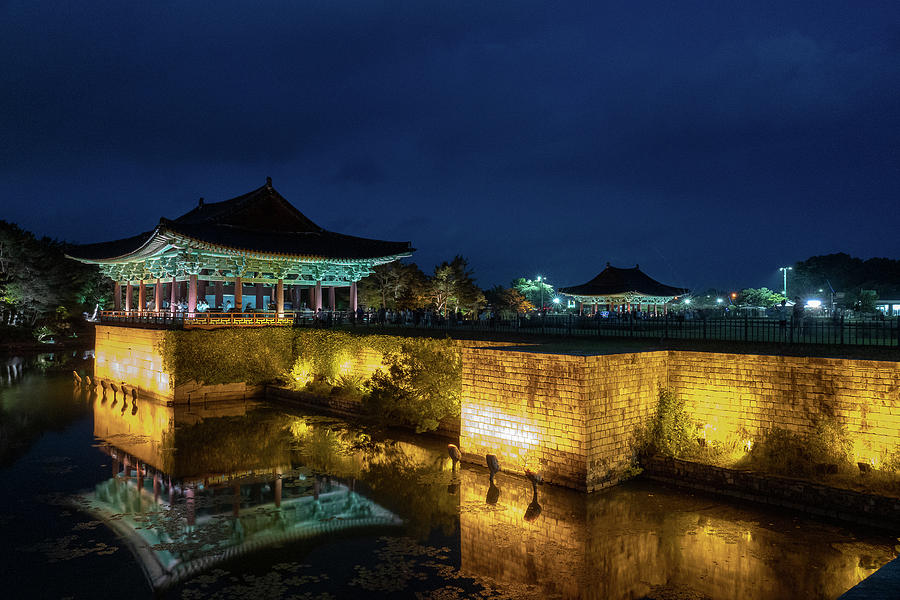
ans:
(622, 290)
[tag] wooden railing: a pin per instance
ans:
(198, 320)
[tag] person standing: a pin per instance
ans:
(797, 318)
(782, 320)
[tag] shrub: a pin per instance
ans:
(671, 433)
(421, 386)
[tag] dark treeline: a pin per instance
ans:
(40, 289)
(844, 273)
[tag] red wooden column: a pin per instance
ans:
(260, 297)
(128, 296)
(331, 303)
(142, 299)
(173, 295)
(220, 293)
(580, 308)
(117, 296)
(318, 304)
(279, 297)
(157, 295)
(238, 294)
(192, 293)
(353, 303)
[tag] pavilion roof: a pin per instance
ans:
(613, 281)
(261, 221)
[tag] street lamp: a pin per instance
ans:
(556, 303)
(785, 270)
(540, 285)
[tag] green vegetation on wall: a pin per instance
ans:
(671, 433)
(421, 386)
(418, 382)
(253, 356)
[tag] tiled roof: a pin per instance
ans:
(613, 280)
(261, 221)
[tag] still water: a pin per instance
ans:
(102, 496)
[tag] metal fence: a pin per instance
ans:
(810, 330)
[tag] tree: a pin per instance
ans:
(393, 285)
(36, 279)
(531, 289)
(453, 287)
(508, 300)
(759, 297)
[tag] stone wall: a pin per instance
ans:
(575, 418)
(813, 498)
(745, 395)
(526, 408)
(619, 398)
(129, 355)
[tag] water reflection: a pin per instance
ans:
(189, 488)
(639, 541)
(193, 487)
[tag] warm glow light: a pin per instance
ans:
(813, 303)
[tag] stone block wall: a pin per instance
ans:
(526, 408)
(575, 418)
(745, 395)
(619, 398)
(130, 355)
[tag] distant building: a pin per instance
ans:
(618, 290)
(237, 253)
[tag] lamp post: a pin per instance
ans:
(540, 285)
(785, 270)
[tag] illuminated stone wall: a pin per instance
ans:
(619, 397)
(574, 418)
(130, 355)
(526, 408)
(743, 395)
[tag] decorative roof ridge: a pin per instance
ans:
(214, 213)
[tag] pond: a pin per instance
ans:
(104, 495)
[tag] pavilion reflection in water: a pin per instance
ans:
(190, 488)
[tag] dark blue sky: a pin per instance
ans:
(710, 142)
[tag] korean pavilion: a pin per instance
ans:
(619, 290)
(247, 252)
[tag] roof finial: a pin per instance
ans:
(637, 266)
(607, 264)
(200, 203)
(269, 182)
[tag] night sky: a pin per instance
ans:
(710, 142)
